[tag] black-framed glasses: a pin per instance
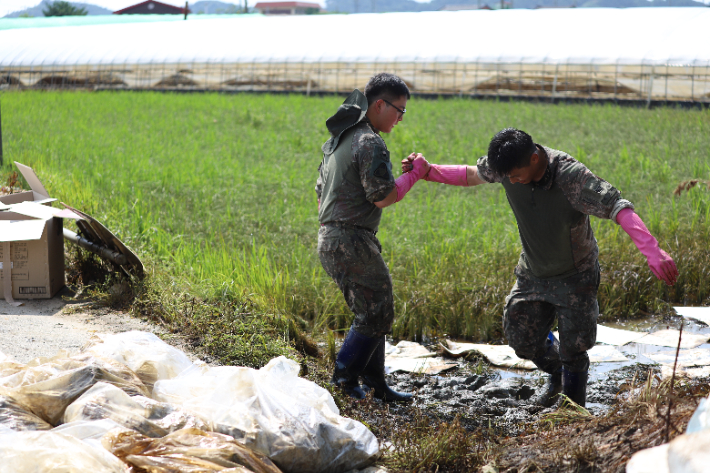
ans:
(401, 111)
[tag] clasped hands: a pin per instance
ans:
(416, 163)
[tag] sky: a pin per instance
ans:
(9, 6)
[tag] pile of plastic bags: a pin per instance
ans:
(132, 402)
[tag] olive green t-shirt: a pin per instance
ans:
(553, 214)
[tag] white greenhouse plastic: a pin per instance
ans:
(636, 53)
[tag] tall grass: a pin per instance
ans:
(218, 191)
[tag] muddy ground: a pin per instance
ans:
(627, 410)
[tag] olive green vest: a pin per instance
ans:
(340, 203)
(545, 222)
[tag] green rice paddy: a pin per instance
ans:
(216, 191)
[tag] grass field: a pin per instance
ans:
(216, 192)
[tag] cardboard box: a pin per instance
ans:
(31, 244)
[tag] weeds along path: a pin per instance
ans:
(216, 192)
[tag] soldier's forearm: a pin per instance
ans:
(472, 176)
(389, 200)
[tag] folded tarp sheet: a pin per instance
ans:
(669, 338)
(697, 313)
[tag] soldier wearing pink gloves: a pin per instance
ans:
(552, 196)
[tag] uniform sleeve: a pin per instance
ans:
(485, 172)
(589, 193)
(374, 165)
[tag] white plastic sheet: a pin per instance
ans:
(631, 35)
(413, 357)
(669, 338)
(605, 354)
(291, 420)
(499, 355)
(617, 337)
(697, 313)
(23, 452)
(686, 358)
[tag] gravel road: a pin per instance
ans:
(42, 327)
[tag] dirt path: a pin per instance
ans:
(42, 327)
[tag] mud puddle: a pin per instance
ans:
(504, 400)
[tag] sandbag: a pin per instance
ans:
(89, 429)
(185, 451)
(23, 452)
(47, 386)
(650, 460)
(17, 417)
(700, 419)
(690, 453)
(8, 366)
(151, 358)
(291, 420)
(146, 416)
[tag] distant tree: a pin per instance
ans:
(24, 15)
(61, 8)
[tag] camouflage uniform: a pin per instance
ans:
(356, 172)
(558, 271)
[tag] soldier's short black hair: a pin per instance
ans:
(510, 149)
(385, 86)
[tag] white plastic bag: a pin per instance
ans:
(690, 453)
(151, 358)
(23, 452)
(47, 386)
(650, 460)
(701, 418)
(146, 416)
(187, 451)
(15, 416)
(291, 420)
(89, 429)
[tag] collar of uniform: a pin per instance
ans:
(552, 162)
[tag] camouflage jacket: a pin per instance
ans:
(553, 214)
(355, 172)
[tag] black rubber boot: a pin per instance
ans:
(373, 376)
(550, 363)
(352, 360)
(574, 386)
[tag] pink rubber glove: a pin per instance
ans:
(406, 181)
(661, 264)
(447, 174)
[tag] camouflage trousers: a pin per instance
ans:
(533, 304)
(351, 256)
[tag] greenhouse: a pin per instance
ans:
(638, 54)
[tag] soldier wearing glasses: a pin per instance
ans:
(355, 183)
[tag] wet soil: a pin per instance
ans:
(513, 433)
